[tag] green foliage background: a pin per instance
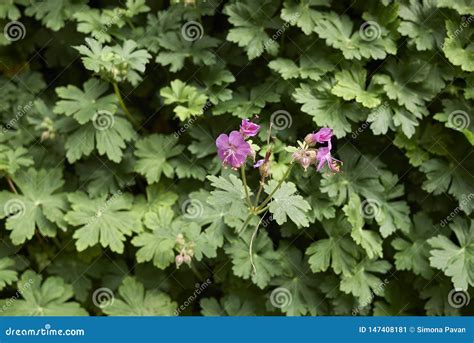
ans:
(93, 198)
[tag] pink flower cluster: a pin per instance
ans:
(307, 156)
(233, 149)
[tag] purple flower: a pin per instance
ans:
(249, 129)
(322, 136)
(259, 163)
(233, 150)
(324, 157)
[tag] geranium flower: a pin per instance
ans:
(305, 157)
(232, 149)
(324, 157)
(248, 128)
(322, 136)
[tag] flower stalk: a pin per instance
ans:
(123, 106)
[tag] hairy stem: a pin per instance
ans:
(254, 234)
(260, 188)
(244, 179)
(122, 104)
(246, 222)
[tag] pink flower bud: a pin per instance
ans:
(249, 129)
(305, 157)
(322, 136)
(179, 260)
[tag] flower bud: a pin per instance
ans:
(305, 157)
(187, 259)
(249, 129)
(309, 139)
(179, 260)
(322, 136)
(180, 239)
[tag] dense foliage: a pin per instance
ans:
(114, 200)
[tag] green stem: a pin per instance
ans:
(260, 188)
(122, 104)
(267, 200)
(263, 209)
(129, 22)
(244, 179)
(254, 234)
(195, 271)
(246, 222)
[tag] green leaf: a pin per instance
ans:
(117, 63)
(326, 109)
(451, 177)
(457, 115)
(302, 14)
(9, 10)
(350, 85)
(12, 159)
(312, 65)
(337, 251)
(438, 300)
(228, 199)
(456, 261)
(363, 282)
(370, 41)
(158, 245)
(266, 260)
(230, 305)
(84, 105)
(421, 23)
(367, 239)
(40, 204)
(458, 46)
(153, 153)
(107, 133)
(53, 14)
(43, 298)
(8, 274)
(136, 301)
(178, 48)
(76, 272)
(462, 6)
(160, 242)
(245, 101)
(249, 28)
(287, 204)
(103, 220)
(413, 252)
(190, 101)
(297, 284)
